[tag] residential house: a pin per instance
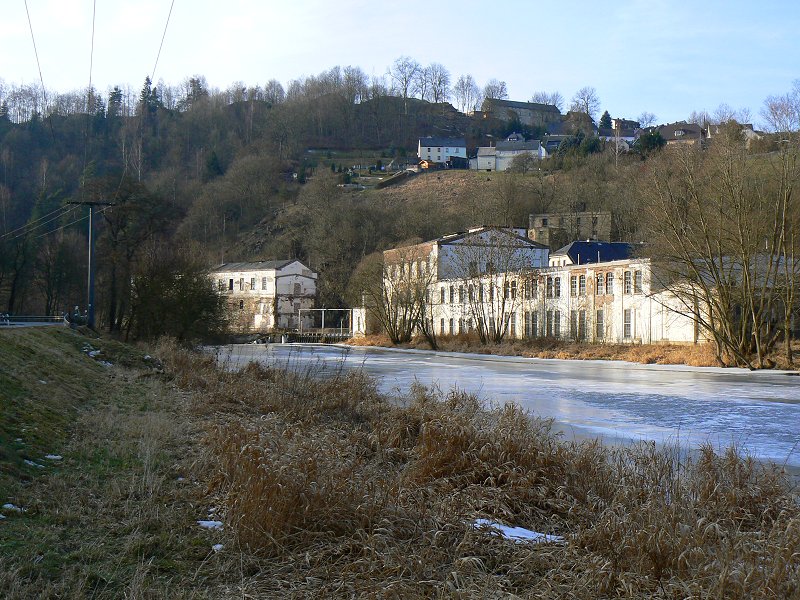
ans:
(531, 114)
(623, 124)
(744, 129)
(501, 156)
(441, 150)
(681, 133)
(267, 295)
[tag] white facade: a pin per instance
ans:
(267, 295)
(440, 150)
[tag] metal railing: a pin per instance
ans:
(7, 320)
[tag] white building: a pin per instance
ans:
(267, 295)
(501, 156)
(441, 150)
(600, 296)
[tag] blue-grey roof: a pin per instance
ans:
(593, 252)
(253, 266)
(439, 141)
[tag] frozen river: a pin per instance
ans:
(759, 412)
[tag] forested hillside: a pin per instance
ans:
(194, 177)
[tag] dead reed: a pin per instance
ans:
(331, 490)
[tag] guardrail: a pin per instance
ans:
(14, 320)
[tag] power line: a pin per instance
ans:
(91, 52)
(39, 66)
(29, 227)
(164, 35)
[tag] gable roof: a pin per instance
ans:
(441, 141)
(590, 252)
(523, 105)
(691, 131)
(522, 145)
(262, 265)
(455, 237)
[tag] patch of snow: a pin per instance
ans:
(53, 456)
(181, 479)
(13, 507)
(212, 510)
(2, 517)
(43, 382)
(518, 534)
(105, 363)
(210, 524)
(147, 357)
(30, 463)
(18, 440)
(217, 547)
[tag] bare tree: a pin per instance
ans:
(495, 90)
(273, 92)
(552, 98)
(647, 119)
(466, 93)
(439, 79)
(403, 72)
(586, 101)
(699, 117)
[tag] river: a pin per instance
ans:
(759, 412)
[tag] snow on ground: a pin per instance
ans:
(30, 463)
(13, 507)
(518, 534)
(53, 456)
(217, 547)
(210, 524)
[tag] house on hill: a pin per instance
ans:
(442, 150)
(501, 156)
(682, 133)
(266, 295)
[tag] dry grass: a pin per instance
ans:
(694, 355)
(329, 490)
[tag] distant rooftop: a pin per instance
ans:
(590, 252)
(261, 265)
(429, 142)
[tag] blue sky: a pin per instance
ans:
(665, 57)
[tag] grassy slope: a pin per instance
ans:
(110, 519)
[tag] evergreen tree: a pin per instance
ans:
(605, 120)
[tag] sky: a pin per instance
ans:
(664, 57)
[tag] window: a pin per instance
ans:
(452, 327)
(441, 327)
(627, 287)
(581, 324)
(557, 323)
(573, 286)
(241, 284)
(461, 294)
(506, 290)
(627, 325)
(598, 284)
(511, 319)
(549, 287)
(573, 324)
(557, 287)
(241, 304)
(441, 296)
(297, 289)
(549, 323)
(637, 282)
(230, 285)
(610, 284)
(534, 324)
(252, 283)
(480, 293)
(582, 285)
(263, 283)
(527, 324)
(471, 293)
(544, 221)
(599, 325)
(452, 294)
(491, 292)
(578, 223)
(514, 289)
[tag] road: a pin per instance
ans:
(617, 401)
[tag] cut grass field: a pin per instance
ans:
(327, 490)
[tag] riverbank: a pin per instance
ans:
(693, 355)
(177, 478)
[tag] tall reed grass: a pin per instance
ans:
(330, 489)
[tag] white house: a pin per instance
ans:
(267, 295)
(441, 150)
(501, 156)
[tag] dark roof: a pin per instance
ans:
(440, 141)
(589, 251)
(532, 145)
(610, 132)
(447, 239)
(691, 131)
(254, 266)
(523, 105)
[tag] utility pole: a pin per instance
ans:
(90, 266)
